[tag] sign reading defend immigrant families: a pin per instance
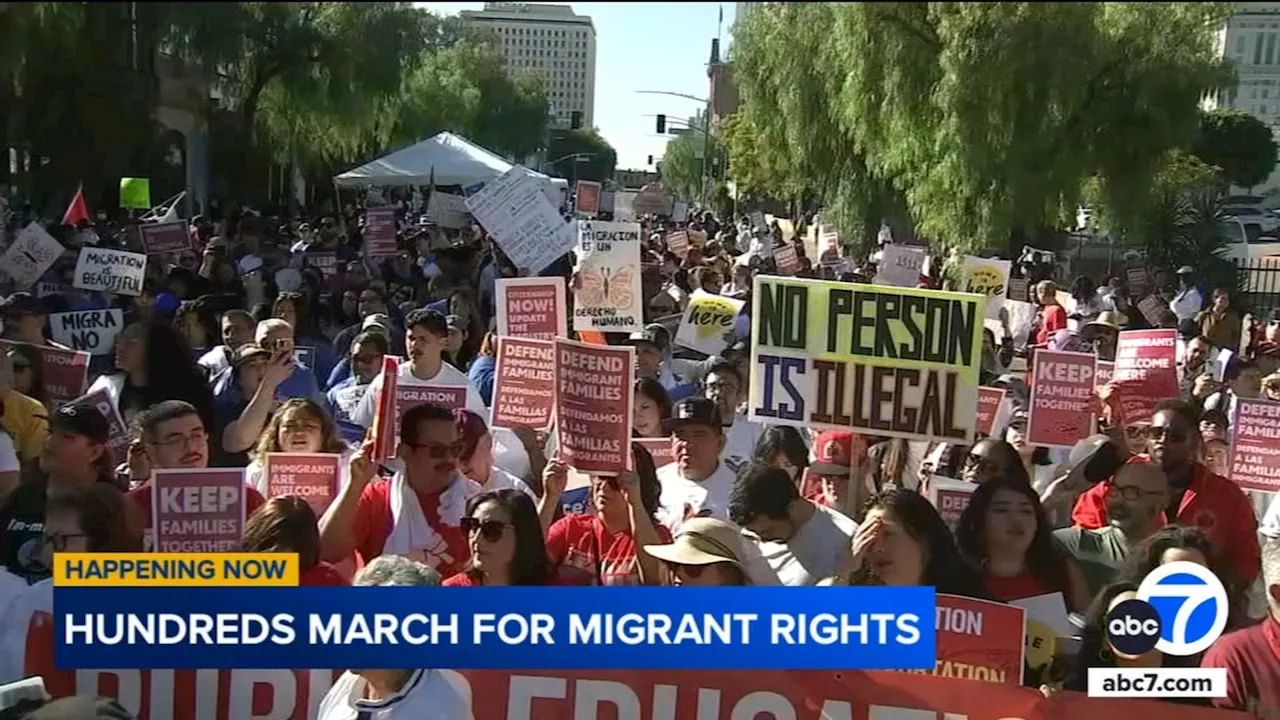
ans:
(661, 449)
(1255, 445)
(1145, 372)
(608, 297)
(112, 271)
(881, 361)
(93, 331)
(1062, 394)
(593, 406)
(707, 323)
(66, 372)
(379, 232)
(949, 497)
(32, 253)
(165, 238)
(532, 307)
(312, 477)
(522, 220)
(197, 510)
(523, 384)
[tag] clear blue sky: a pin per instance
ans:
(642, 46)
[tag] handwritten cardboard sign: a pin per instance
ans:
(32, 253)
(93, 331)
(112, 271)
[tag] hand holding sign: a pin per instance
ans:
(362, 467)
(555, 477)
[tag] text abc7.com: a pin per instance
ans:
(1180, 609)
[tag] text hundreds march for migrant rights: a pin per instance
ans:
(887, 361)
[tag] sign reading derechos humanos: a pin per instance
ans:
(879, 360)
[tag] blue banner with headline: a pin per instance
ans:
(729, 628)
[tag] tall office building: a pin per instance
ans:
(550, 40)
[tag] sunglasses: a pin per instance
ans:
(978, 461)
(490, 530)
(692, 572)
(1156, 434)
(439, 451)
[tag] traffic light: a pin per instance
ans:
(662, 124)
(650, 160)
(575, 120)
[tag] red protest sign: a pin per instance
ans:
(1061, 398)
(787, 260)
(587, 198)
(197, 510)
(165, 238)
(678, 243)
(523, 384)
(313, 477)
(66, 372)
(379, 232)
(989, 400)
(532, 308)
(1255, 452)
(407, 396)
(949, 497)
(325, 262)
(980, 640)
(380, 434)
(1146, 372)
(118, 434)
(593, 406)
(1102, 372)
(661, 449)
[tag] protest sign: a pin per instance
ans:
(1255, 445)
(787, 260)
(448, 211)
(524, 223)
(32, 253)
(325, 262)
(165, 238)
(523, 384)
(65, 372)
(1062, 394)
(587, 198)
(1017, 289)
(197, 510)
(661, 449)
(678, 244)
(379, 232)
(680, 211)
(950, 497)
(622, 206)
(707, 323)
(93, 331)
(1137, 278)
(113, 271)
(982, 637)
(1145, 372)
(989, 400)
(988, 277)
(1152, 307)
(609, 297)
(305, 356)
(1022, 318)
(900, 266)
(1102, 372)
(313, 477)
(882, 361)
(407, 394)
(532, 307)
(380, 434)
(135, 193)
(593, 406)
(117, 433)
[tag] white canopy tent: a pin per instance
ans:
(448, 158)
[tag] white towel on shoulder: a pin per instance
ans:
(411, 532)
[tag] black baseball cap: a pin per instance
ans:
(81, 419)
(21, 303)
(696, 411)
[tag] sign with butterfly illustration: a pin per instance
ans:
(30, 255)
(607, 296)
(708, 322)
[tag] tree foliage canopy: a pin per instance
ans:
(987, 117)
(565, 148)
(1239, 144)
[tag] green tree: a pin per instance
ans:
(581, 154)
(987, 117)
(682, 160)
(1241, 145)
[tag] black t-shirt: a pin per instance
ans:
(22, 517)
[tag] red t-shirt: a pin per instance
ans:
(460, 580)
(373, 526)
(1252, 659)
(141, 499)
(1008, 589)
(322, 574)
(1212, 503)
(582, 552)
(1052, 319)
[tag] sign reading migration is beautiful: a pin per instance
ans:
(885, 361)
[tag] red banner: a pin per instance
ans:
(1255, 450)
(379, 232)
(1061, 398)
(662, 449)
(310, 476)
(587, 198)
(989, 400)
(66, 372)
(593, 406)
(1146, 372)
(524, 384)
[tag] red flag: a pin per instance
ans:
(76, 211)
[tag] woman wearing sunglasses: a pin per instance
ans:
(990, 458)
(706, 552)
(505, 539)
(600, 548)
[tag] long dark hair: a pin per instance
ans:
(1094, 651)
(100, 510)
(529, 565)
(944, 567)
(1147, 556)
(172, 373)
(284, 524)
(1042, 559)
(650, 488)
(35, 360)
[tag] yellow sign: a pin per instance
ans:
(880, 360)
(985, 280)
(175, 569)
(708, 322)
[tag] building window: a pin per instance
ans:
(1271, 48)
(1257, 49)
(1240, 45)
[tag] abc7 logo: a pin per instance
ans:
(1180, 609)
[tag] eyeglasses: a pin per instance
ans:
(438, 451)
(1167, 434)
(692, 572)
(490, 530)
(1132, 493)
(1135, 431)
(980, 462)
(58, 541)
(199, 437)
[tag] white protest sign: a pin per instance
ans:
(30, 255)
(448, 211)
(609, 297)
(623, 210)
(113, 271)
(988, 277)
(708, 322)
(528, 228)
(680, 211)
(93, 331)
(900, 266)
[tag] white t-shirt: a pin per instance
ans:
(428, 695)
(500, 479)
(448, 376)
(815, 550)
(739, 442)
(679, 495)
(19, 602)
(257, 479)
(8, 455)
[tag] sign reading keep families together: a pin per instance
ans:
(883, 361)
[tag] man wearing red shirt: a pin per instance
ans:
(1252, 656)
(173, 437)
(1198, 498)
(418, 512)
